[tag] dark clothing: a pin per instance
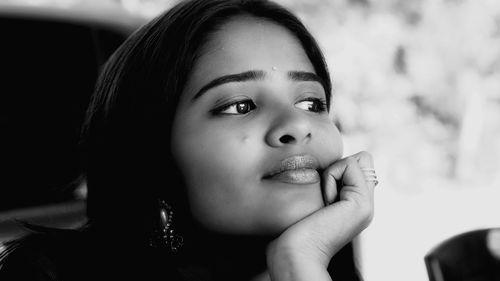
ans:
(41, 257)
(71, 255)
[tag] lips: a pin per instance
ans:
(300, 169)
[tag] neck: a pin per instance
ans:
(229, 257)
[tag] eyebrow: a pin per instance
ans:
(302, 76)
(252, 75)
(255, 75)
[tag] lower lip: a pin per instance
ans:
(298, 176)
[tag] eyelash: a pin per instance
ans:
(320, 105)
(220, 110)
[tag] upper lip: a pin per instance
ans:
(294, 163)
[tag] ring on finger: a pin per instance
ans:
(370, 175)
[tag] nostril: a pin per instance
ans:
(287, 139)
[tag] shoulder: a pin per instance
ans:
(41, 256)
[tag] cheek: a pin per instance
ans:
(219, 168)
(329, 143)
(212, 154)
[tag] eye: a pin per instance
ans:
(236, 108)
(312, 104)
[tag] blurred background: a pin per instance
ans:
(417, 84)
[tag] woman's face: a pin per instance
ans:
(251, 134)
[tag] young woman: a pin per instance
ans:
(211, 155)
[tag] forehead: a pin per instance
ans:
(248, 43)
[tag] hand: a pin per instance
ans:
(304, 250)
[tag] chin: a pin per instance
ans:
(279, 220)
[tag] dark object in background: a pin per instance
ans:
(463, 257)
(49, 70)
(49, 63)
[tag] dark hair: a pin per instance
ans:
(126, 134)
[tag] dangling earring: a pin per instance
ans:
(165, 236)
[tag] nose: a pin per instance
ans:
(289, 127)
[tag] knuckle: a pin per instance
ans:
(351, 160)
(366, 154)
(330, 169)
(330, 172)
(365, 158)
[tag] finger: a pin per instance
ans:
(329, 188)
(370, 176)
(365, 161)
(348, 173)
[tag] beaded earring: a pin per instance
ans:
(166, 236)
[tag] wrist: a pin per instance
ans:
(290, 264)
